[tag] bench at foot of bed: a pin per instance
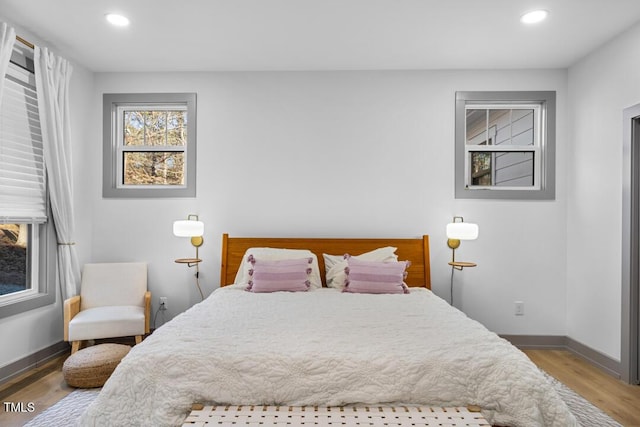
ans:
(361, 415)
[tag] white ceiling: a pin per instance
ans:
(199, 35)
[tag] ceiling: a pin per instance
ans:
(203, 35)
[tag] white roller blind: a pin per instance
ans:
(22, 177)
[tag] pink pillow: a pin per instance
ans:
(281, 275)
(374, 277)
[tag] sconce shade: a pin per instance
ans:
(188, 228)
(462, 231)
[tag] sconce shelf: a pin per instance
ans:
(462, 264)
(188, 261)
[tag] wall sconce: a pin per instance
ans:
(456, 231)
(191, 227)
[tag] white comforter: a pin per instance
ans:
(324, 347)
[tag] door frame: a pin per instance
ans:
(630, 244)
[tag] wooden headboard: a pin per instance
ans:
(414, 250)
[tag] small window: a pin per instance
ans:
(18, 261)
(27, 267)
(505, 145)
(149, 145)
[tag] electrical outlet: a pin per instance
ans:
(163, 303)
(519, 308)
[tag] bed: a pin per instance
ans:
(324, 347)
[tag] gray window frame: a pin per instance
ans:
(110, 104)
(547, 101)
(47, 268)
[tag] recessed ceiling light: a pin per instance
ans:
(534, 16)
(117, 20)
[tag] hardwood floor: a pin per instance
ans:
(44, 386)
(618, 399)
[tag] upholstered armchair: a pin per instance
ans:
(113, 302)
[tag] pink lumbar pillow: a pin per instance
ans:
(374, 277)
(279, 275)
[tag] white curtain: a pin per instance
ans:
(53, 74)
(7, 39)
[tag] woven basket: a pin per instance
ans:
(92, 366)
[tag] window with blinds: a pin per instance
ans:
(22, 175)
(23, 203)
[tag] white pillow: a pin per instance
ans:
(276, 254)
(334, 265)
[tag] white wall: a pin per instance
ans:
(343, 154)
(29, 332)
(371, 154)
(601, 85)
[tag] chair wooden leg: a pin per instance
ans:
(138, 339)
(75, 346)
